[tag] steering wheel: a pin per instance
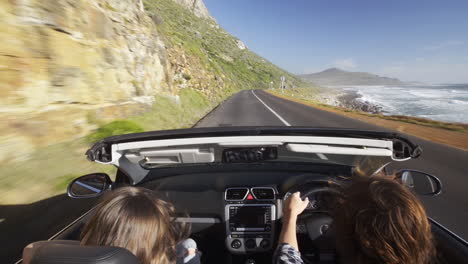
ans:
(318, 222)
(315, 221)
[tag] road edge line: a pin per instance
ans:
(320, 155)
(273, 111)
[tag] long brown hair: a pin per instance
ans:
(133, 218)
(381, 221)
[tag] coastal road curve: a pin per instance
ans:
(258, 108)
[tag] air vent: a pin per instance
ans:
(264, 193)
(236, 194)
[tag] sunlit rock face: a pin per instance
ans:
(197, 7)
(81, 52)
(61, 59)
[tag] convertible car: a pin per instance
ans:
(230, 183)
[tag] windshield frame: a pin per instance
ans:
(101, 150)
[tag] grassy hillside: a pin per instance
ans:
(48, 171)
(216, 50)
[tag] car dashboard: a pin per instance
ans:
(234, 212)
(240, 210)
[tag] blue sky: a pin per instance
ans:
(414, 40)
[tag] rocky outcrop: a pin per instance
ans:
(240, 45)
(78, 52)
(197, 7)
(63, 60)
(347, 99)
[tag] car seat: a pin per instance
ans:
(71, 252)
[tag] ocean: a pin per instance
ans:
(444, 102)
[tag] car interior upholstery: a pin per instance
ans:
(71, 252)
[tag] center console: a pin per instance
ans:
(250, 215)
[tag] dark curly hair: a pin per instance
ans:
(379, 220)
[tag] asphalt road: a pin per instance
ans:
(258, 108)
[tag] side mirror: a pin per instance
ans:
(420, 182)
(88, 186)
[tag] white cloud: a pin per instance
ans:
(443, 45)
(348, 63)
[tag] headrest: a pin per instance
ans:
(68, 252)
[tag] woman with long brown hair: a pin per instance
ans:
(378, 220)
(134, 219)
(381, 221)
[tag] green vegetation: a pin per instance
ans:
(173, 112)
(215, 48)
(64, 181)
(109, 7)
(117, 127)
(47, 172)
(58, 165)
(186, 76)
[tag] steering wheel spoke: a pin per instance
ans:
(301, 228)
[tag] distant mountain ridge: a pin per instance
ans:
(335, 76)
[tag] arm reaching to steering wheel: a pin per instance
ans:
(292, 207)
(288, 250)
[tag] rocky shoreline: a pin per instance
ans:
(348, 99)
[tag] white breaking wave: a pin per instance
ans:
(438, 102)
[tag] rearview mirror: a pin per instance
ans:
(90, 185)
(420, 182)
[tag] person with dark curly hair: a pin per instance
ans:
(378, 220)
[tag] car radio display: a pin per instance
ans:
(248, 217)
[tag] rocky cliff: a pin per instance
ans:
(195, 6)
(65, 64)
(62, 60)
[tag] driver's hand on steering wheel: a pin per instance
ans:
(294, 205)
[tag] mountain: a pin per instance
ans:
(337, 77)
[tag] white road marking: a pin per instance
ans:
(320, 155)
(273, 111)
